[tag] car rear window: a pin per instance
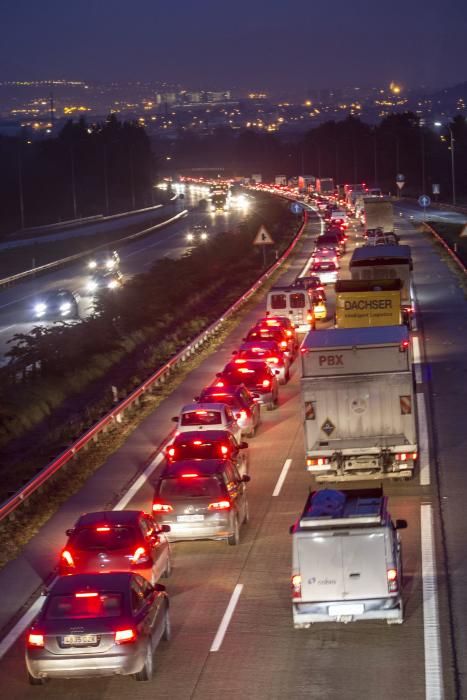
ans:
(104, 538)
(84, 605)
(278, 301)
(193, 487)
(201, 417)
(249, 375)
(324, 266)
(197, 449)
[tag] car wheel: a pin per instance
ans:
(287, 376)
(271, 405)
(167, 634)
(234, 538)
(146, 672)
(168, 568)
(35, 681)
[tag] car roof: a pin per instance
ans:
(115, 581)
(202, 406)
(265, 345)
(112, 517)
(206, 467)
(207, 435)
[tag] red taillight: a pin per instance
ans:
(393, 584)
(309, 317)
(197, 442)
(220, 384)
(283, 343)
(67, 558)
(162, 508)
(272, 360)
(266, 383)
(289, 333)
(125, 636)
(140, 556)
(224, 450)
(35, 640)
(404, 345)
(219, 505)
(296, 586)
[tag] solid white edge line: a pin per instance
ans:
(434, 689)
(282, 476)
(423, 451)
(417, 359)
(26, 619)
(139, 483)
(220, 634)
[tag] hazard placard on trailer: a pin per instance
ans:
(406, 405)
(263, 237)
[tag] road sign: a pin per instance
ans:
(463, 233)
(400, 177)
(424, 200)
(436, 189)
(400, 184)
(296, 208)
(263, 237)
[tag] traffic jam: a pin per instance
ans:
(343, 325)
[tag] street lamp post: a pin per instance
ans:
(20, 186)
(453, 169)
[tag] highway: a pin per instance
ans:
(261, 655)
(17, 302)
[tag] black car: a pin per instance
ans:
(57, 304)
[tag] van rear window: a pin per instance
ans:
(297, 301)
(278, 301)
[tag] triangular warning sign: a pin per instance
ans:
(263, 237)
(463, 233)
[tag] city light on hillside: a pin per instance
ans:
(395, 88)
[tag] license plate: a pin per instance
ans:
(190, 518)
(79, 640)
(345, 610)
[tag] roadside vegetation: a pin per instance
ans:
(59, 379)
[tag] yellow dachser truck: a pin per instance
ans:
(365, 303)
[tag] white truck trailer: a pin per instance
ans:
(358, 404)
(379, 214)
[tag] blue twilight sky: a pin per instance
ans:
(255, 44)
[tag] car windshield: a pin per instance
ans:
(193, 487)
(104, 537)
(88, 604)
(201, 417)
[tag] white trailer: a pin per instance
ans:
(379, 214)
(358, 403)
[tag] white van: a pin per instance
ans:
(346, 559)
(295, 304)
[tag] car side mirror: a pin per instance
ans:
(164, 528)
(70, 531)
(291, 529)
(243, 446)
(218, 374)
(234, 352)
(175, 419)
(401, 524)
(196, 398)
(246, 478)
(159, 587)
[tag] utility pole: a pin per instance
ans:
(20, 186)
(73, 183)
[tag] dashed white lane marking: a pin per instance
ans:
(423, 449)
(433, 666)
(220, 634)
(282, 476)
(417, 359)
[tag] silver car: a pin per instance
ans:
(207, 416)
(202, 499)
(98, 625)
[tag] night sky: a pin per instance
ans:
(255, 44)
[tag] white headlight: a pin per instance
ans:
(40, 308)
(109, 264)
(113, 284)
(204, 236)
(65, 307)
(92, 286)
(189, 236)
(92, 265)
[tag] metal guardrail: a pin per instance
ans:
(66, 261)
(441, 240)
(158, 377)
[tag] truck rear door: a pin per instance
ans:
(364, 565)
(320, 565)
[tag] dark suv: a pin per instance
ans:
(242, 402)
(201, 499)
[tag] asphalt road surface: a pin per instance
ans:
(261, 655)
